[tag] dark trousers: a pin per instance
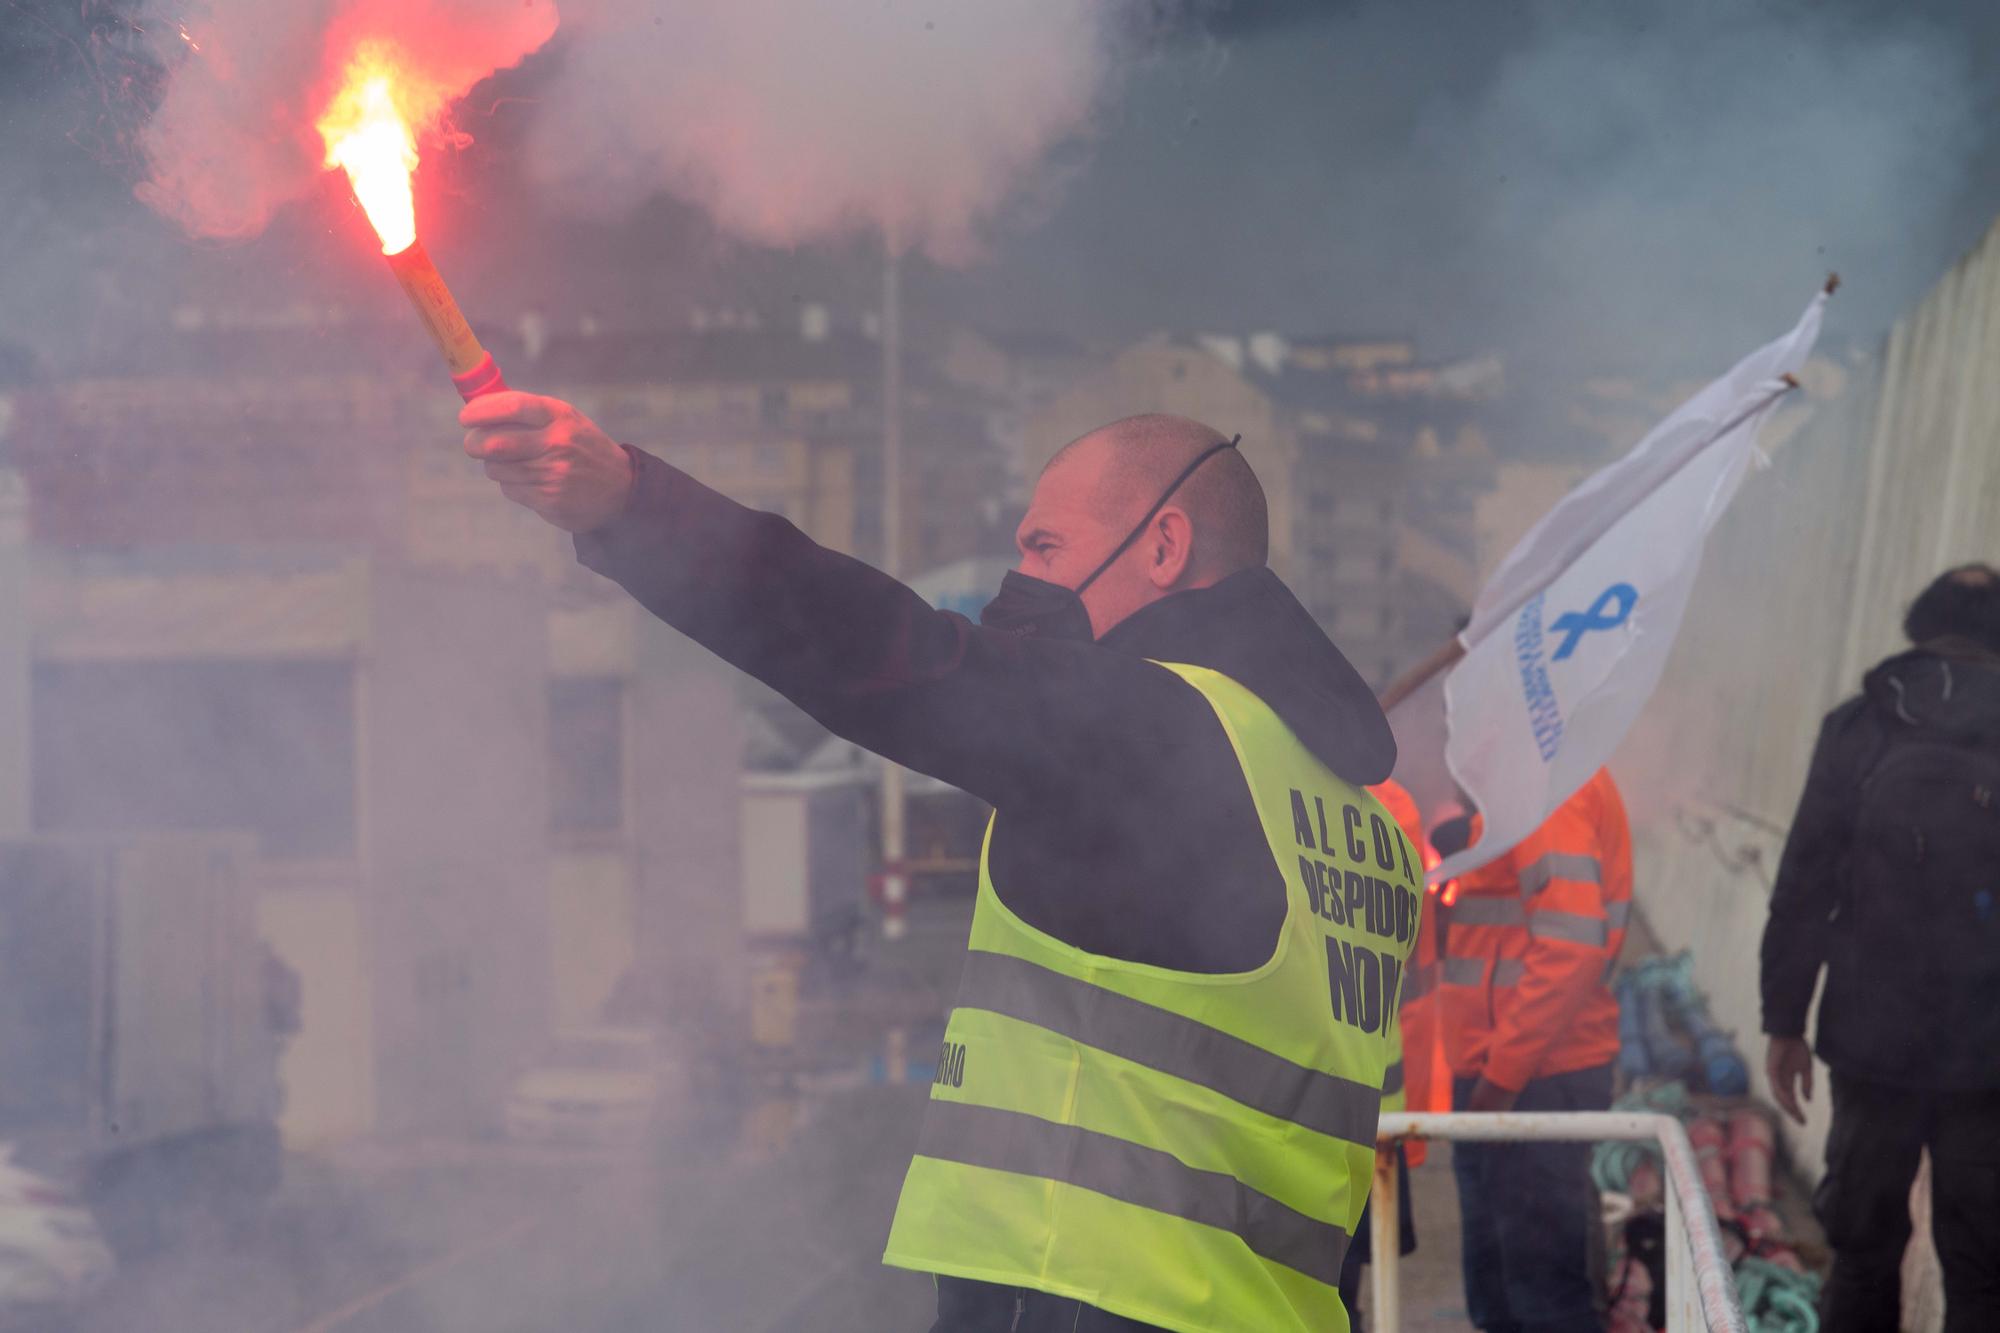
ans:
(1526, 1214)
(1864, 1202)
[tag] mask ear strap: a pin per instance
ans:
(1158, 505)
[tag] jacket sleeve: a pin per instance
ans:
(1419, 1017)
(1809, 878)
(1006, 718)
(1399, 1079)
(1571, 876)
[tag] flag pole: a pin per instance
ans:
(895, 804)
(1418, 676)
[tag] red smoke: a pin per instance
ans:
(234, 136)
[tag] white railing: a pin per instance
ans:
(1701, 1288)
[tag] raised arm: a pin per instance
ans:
(1007, 718)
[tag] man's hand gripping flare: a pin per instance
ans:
(549, 457)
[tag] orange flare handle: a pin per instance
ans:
(482, 379)
(471, 366)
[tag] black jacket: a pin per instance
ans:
(1125, 826)
(1946, 688)
(1124, 823)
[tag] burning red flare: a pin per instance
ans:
(369, 135)
(270, 91)
(369, 132)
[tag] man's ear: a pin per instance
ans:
(1170, 547)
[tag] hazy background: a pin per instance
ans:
(1575, 183)
(433, 847)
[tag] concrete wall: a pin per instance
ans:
(685, 744)
(1886, 474)
(453, 706)
(327, 1071)
(437, 953)
(592, 938)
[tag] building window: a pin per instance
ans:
(266, 747)
(773, 403)
(586, 754)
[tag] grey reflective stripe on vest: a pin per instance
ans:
(1574, 927)
(1419, 982)
(1464, 971)
(1618, 914)
(1560, 865)
(1171, 1043)
(1483, 910)
(1472, 972)
(985, 1136)
(1392, 1079)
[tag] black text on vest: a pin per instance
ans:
(1357, 897)
(951, 1066)
(1366, 986)
(1373, 894)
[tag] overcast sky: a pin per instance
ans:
(1579, 184)
(1624, 180)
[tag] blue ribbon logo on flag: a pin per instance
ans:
(1612, 608)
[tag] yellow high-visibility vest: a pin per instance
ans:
(1189, 1150)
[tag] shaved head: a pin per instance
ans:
(1125, 467)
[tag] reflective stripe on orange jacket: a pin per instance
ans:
(1530, 943)
(1426, 1082)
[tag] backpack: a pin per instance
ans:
(1920, 921)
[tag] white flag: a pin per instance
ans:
(1569, 637)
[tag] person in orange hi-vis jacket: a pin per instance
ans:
(1530, 1023)
(1426, 1078)
(1408, 1084)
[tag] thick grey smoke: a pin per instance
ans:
(792, 122)
(234, 138)
(1658, 182)
(1696, 176)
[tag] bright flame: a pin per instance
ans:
(368, 134)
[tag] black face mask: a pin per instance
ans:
(1028, 605)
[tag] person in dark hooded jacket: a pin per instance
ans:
(1124, 826)
(1890, 880)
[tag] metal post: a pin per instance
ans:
(1682, 1306)
(1385, 1229)
(16, 654)
(1701, 1287)
(895, 878)
(1881, 444)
